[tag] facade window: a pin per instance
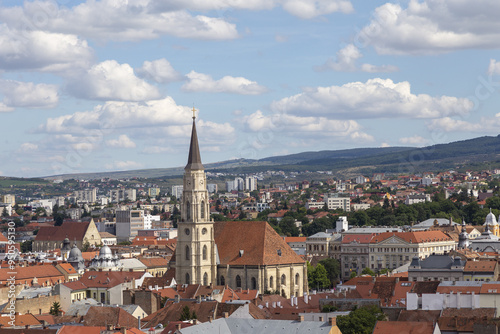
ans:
(271, 282)
(188, 210)
(283, 279)
(297, 278)
(187, 253)
(204, 252)
(187, 278)
(238, 281)
(202, 210)
(254, 283)
(222, 280)
(205, 279)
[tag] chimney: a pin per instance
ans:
(305, 297)
(301, 318)
(123, 330)
(226, 315)
(332, 321)
(198, 299)
(177, 298)
(178, 326)
(109, 327)
(321, 318)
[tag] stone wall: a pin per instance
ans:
(39, 305)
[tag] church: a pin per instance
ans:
(246, 254)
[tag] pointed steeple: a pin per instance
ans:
(194, 158)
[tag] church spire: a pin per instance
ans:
(194, 158)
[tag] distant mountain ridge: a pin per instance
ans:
(476, 152)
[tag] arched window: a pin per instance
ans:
(204, 252)
(188, 210)
(254, 283)
(205, 279)
(283, 279)
(187, 278)
(202, 213)
(222, 280)
(187, 252)
(238, 281)
(271, 282)
(297, 277)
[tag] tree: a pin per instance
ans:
(5, 213)
(332, 267)
(367, 271)
(361, 320)
(288, 227)
(55, 309)
(186, 314)
(322, 280)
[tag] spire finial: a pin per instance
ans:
(194, 112)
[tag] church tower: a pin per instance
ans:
(195, 252)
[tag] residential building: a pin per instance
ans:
(121, 195)
(128, 222)
(355, 249)
(177, 191)
(319, 244)
(250, 183)
(334, 202)
(149, 219)
(212, 188)
(436, 268)
(417, 198)
(9, 199)
(86, 196)
(153, 192)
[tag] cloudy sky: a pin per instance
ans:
(108, 85)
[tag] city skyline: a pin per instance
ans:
(88, 86)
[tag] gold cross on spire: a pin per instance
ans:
(194, 112)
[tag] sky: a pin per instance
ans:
(95, 86)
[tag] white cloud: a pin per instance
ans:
(123, 141)
(346, 62)
(28, 95)
(306, 126)
(375, 98)
(281, 38)
(494, 67)
(117, 115)
(23, 49)
(304, 9)
(110, 80)
(116, 20)
(433, 26)
(123, 165)
(4, 108)
(308, 9)
(159, 71)
(385, 145)
(199, 82)
(414, 140)
(28, 147)
(158, 149)
(447, 124)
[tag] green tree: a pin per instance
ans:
(55, 309)
(288, 226)
(367, 271)
(186, 314)
(26, 246)
(322, 280)
(332, 267)
(361, 320)
(5, 213)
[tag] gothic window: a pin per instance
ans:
(222, 280)
(205, 279)
(188, 210)
(271, 282)
(187, 278)
(202, 213)
(204, 252)
(297, 276)
(187, 252)
(238, 281)
(254, 283)
(283, 279)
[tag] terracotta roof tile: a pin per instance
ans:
(103, 316)
(413, 237)
(252, 243)
(71, 230)
(481, 265)
(403, 327)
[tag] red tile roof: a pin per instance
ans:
(252, 243)
(104, 279)
(359, 238)
(403, 327)
(413, 237)
(70, 230)
(481, 265)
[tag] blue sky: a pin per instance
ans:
(108, 85)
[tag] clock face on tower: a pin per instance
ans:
(201, 182)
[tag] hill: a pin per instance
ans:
(477, 153)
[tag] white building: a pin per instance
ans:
(251, 183)
(86, 196)
(212, 188)
(342, 224)
(417, 198)
(9, 199)
(148, 221)
(42, 203)
(334, 202)
(177, 191)
(119, 195)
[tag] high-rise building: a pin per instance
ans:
(251, 183)
(86, 196)
(9, 199)
(120, 195)
(177, 191)
(128, 222)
